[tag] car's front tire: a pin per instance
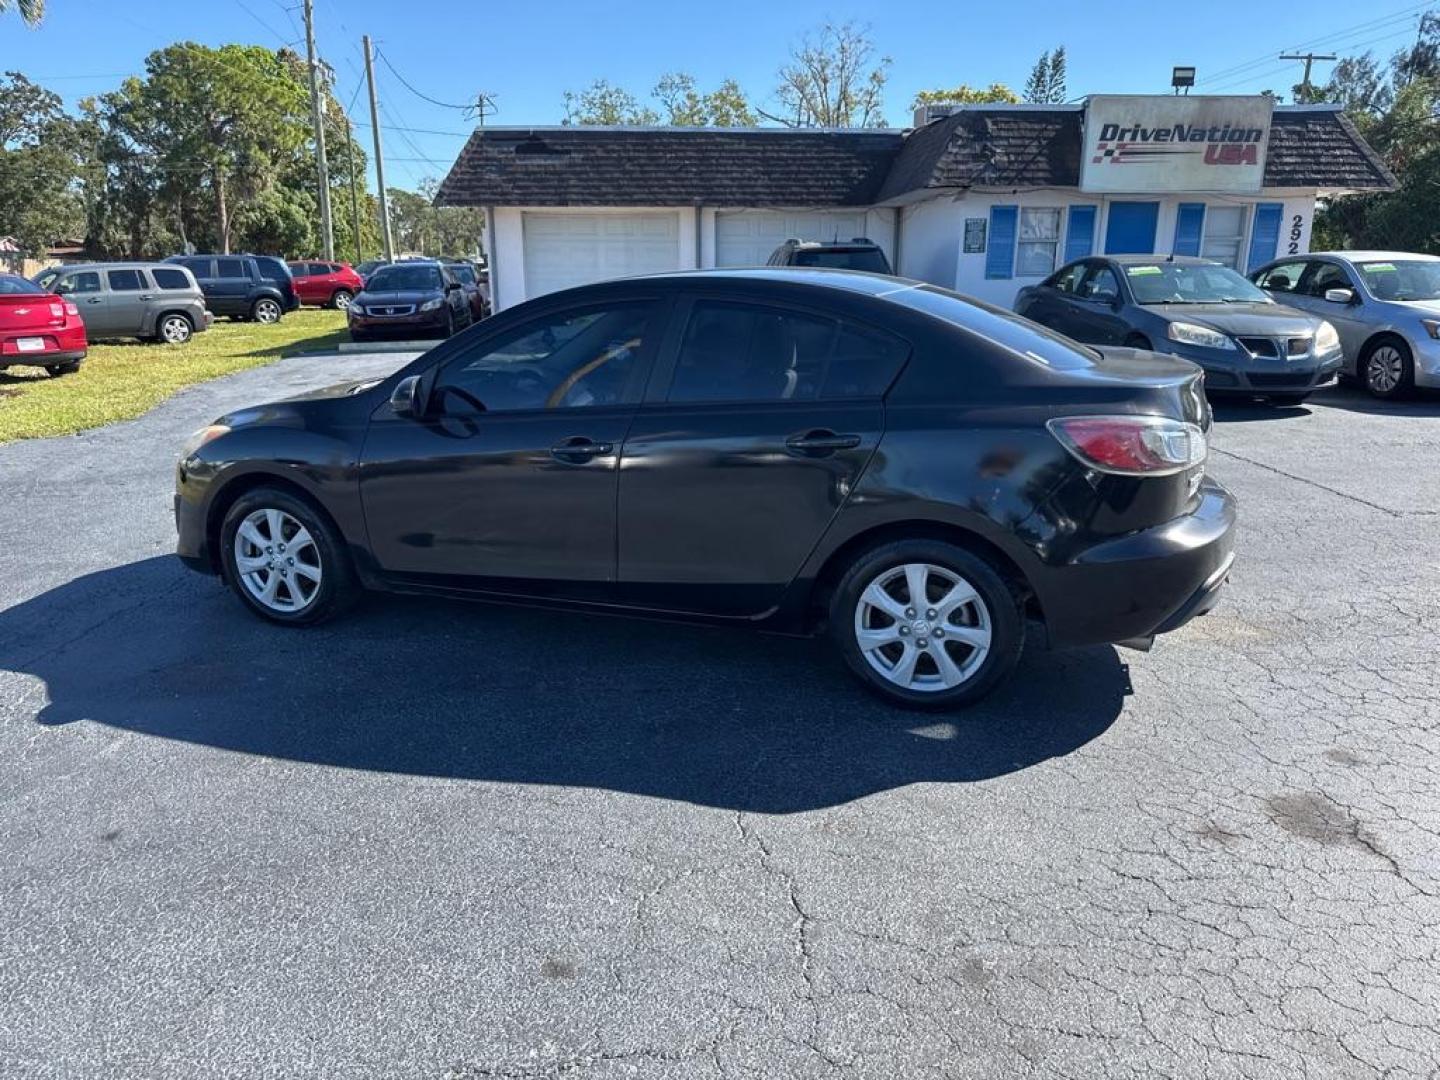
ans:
(284, 559)
(1387, 370)
(341, 300)
(927, 624)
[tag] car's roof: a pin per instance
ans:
(128, 265)
(1151, 260)
(1372, 256)
(855, 281)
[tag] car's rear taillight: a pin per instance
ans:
(57, 311)
(1131, 445)
(71, 309)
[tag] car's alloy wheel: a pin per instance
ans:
(922, 627)
(1385, 371)
(175, 329)
(341, 300)
(267, 311)
(278, 561)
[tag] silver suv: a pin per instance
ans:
(153, 301)
(1384, 304)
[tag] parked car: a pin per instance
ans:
(412, 299)
(256, 287)
(326, 284)
(477, 293)
(369, 266)
(1384, 304)
(151, 301)
(1195, 309)
(857, 254)
(918, 471)
(39, 328)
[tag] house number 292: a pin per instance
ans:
(1297, 226)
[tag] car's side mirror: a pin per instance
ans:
(407, 399)
(1340, 296)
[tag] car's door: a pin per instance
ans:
(1349, 318)
(86, 291)
(230, 288)
(130, 292)
(1046, 303)
(757, 424)
(507, 483)
(1096, 311)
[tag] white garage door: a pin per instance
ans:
(747, 237)
(562, 250)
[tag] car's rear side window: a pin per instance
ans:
(273, 269)
(201, 268)
(168, 277)
(1001, 327)
(742, 352)
(125, 280)
(230, 268)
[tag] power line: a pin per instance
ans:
(424, 97)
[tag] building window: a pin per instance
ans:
(1224, 235)
(1038, 242)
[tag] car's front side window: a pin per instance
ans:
(87, 281)
(572, 359)
(1325, 276)
(1100, 284)
(1068, 280)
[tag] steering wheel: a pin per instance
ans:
(464, 395)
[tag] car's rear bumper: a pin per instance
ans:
(1145, 583)
(42, 359)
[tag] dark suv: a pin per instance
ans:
(257, 287)
(763, 448)
(857, 254)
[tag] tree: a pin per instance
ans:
(965, 94)
(40, 148)
(32, 11)
(602, 102)
(830, 80)
(685, 106)
(1046, 85)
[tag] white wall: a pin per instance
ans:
(931, 241)
(969, 275)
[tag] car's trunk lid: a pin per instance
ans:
(25, 311)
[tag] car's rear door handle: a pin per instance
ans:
(146, 296)
(821, 441)
(94, 300)
(579, 449)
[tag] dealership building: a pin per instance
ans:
(983, 199)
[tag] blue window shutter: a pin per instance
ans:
(1080, 233)
(1000, 248)
(1189, 223)
(1265, 233)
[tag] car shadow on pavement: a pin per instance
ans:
(716, 717)
(1420, 403)
(1245, 411)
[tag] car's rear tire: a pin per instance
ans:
(948, 651)
(174, 329)
(1387, 370)
(1288, 399)
(56, 370)
(341, 300)
(284, 559)
(266, 310)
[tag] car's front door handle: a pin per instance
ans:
(821, 442)
(146, 296)
(93, 300)
(579, 449)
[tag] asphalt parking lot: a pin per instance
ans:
(445, 840)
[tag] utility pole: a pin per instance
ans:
(1309, 59)
(354, 190)
(379, 154)
(327, 226)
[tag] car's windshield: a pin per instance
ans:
(1402, 279)
(395, 278)
(11, 285)
(863, 259)
(464, 273)
(1190, 283)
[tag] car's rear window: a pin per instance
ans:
(167, 277)
(1002, 327)
(14, 285)
(861, 259)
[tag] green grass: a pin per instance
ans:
(122, 381)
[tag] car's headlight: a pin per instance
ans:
(432, 305)
(1190, 334)
(1432, 327)
(197, 439)
(357, 309)
(1326, 339)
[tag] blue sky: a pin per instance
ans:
(528, 54)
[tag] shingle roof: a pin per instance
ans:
(582, 166)
(1310, 147)
(1015, 146)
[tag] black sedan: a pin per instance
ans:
(780, 449)
(1195, 309)
(410, 300)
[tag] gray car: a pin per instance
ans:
(152, 301)
(1195, 309)
(1385, 304)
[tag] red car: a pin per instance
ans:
(326, 284)
(38, 328)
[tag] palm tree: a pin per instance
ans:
(30, 10)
